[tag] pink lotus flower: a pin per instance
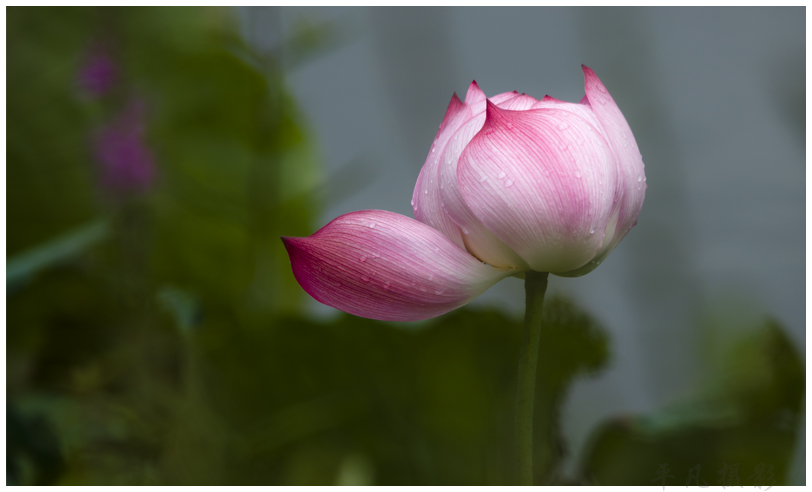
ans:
(510, 184)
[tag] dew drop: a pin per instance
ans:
(601, 88)
(639, 178)
(412, 202)
(508, 183)
(563, 126)
(386, 285)
(578, 174)
(426, 191)
(625, 145)
(432, 149)
(465, 231)
(510, 125)
(363, 259)
(625, 135)
(431, 276)
(365, 278)
(563, 146)
(482, 178)
(502, 174)
(439, 291)
(592, 230)
(372, 225)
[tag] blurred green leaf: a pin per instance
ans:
(23, 266)
(747, 414)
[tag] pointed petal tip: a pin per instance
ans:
(474, 94)
(494, 116)
(491, 111)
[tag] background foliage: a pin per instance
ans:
(155, 333)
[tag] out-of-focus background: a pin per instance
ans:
(155, 334)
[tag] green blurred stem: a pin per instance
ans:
(535, 285)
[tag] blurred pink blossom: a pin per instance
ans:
(126, 160)
(98, 73)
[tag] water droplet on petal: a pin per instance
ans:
(363, 259)
(601, 88)
(639, 178)
(578, 174)
(482, 178)
(563, 146)
(412, 202)
(508, 183)
(439, 291)
(386, 285)
(465, 231)
(372, 225)
(510, 125)
(502, 174)
(563, 126)
(432, 149)
(364, 278)
(592, 230)
(426, 191)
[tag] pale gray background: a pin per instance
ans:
(715, 98)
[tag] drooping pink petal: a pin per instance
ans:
(631, 185)
(426, 200)
(382, 265)
(540, 180)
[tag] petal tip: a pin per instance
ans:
(474, 93)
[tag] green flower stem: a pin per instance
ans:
(535, 285)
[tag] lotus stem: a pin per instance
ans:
(535, 285)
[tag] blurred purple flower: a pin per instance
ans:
(98, 73)
(127, 162)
